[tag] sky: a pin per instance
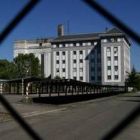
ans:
(43, 20)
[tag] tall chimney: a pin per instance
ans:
(60, 30)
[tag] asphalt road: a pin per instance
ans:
(89, 120)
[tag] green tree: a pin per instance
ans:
(27, 65)
(6, 69)
(133, 79)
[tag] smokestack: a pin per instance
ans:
(60, 30)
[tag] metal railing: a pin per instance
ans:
(67, 87)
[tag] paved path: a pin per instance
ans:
(80, 121)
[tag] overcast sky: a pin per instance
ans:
(43, 20)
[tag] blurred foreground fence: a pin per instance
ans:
(95, 6)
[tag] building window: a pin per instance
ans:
(63, 53)
(81, 60)
(115, 49)
(118, 39)
(99, 68)
(116, 77)
(66, 45)
(99, 77)
(92, 69)
(92, 78)
(115, 57)
(74, 69)
(109, 77)
(57, 53)
(74, 52)
(81, 52)
(71, 44)
(92, 60)
(54, 46)
(99, 64)
(60, 45)
(99, 51)
(89, 43)
(108, 49)
(95, 43)
(74, 61)
(74, 78)
(40, 44)
(99, 60)
(104, 40)
(99, 55)
(57, 61)
(116, 68)
(112, 40)
(63, 70)
(81, 78)
(57, 70)
(84, 44)
(63, 61)
(81, 69)
(77, 44)
(92, 51)
(109, 58)
(109, 67)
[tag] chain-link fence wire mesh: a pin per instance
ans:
(95, 6)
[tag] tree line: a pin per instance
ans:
(22, 66)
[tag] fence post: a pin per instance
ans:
(1, 88)
(22, 86)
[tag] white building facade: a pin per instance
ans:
(101, 58)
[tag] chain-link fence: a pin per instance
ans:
(95, 6)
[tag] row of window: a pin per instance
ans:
(115, 49)
(74, 53)
(115, 68)
(75, 44)
(81, 78)
(63, 70)
(116, 77)
(112, 40)
(74, 61)
(109, 58)
(81, 52)
(80, 69)
(63, 53)
(74, 70)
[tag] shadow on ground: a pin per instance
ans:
(69, 99)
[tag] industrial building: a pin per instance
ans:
(99, 58)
